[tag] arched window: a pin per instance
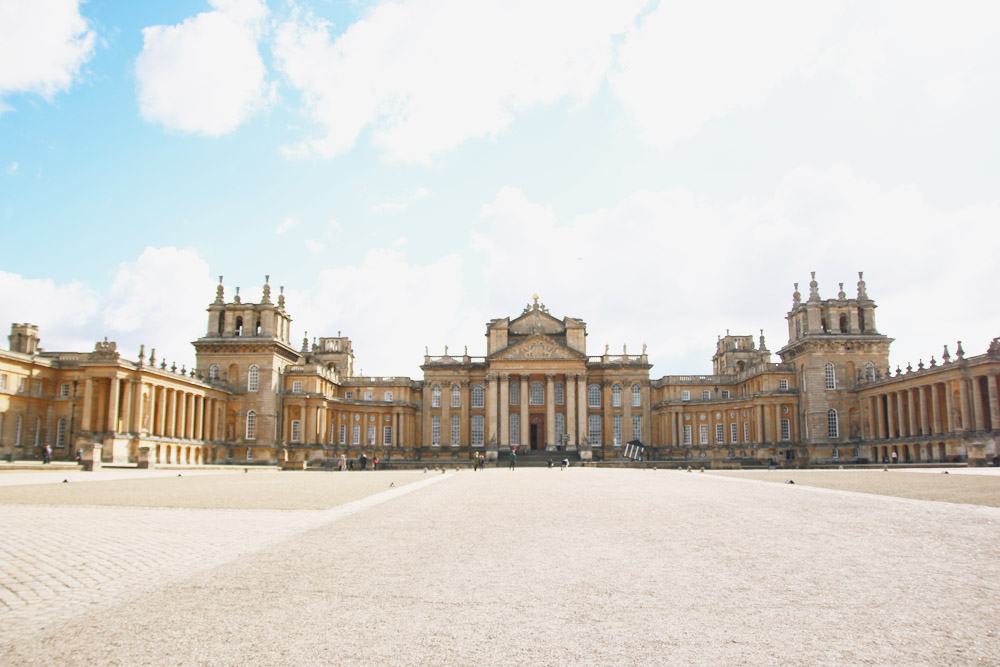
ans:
(435, 396)
(257, 329)
(831, 376)
(515, 393)
(616, 396)
(239, 326)
(252, 374)
(456, 396)
(251, 425)
(870, 371)
(843, 324)
(636, 396)
(478, 396)
(832, 427)
(560, 393)
(594, 396)
(213, 372)
(536, 394)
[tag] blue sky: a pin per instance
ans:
(409, 170)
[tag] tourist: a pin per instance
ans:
(565, 464)
(46, 454)
(513, 457)
(343, 463)
(375, 462)
(363, 461)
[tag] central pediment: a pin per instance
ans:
(536, 321)
(536, 347)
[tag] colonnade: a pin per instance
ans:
(956, 405)
(755, 424)
(319, 425)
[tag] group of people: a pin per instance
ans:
(345, 464)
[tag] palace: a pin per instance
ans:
(252, 397)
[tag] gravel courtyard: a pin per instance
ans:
(535, 566)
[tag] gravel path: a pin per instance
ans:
(589, 567)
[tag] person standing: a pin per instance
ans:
(375, 462)
(513, 458)
(46, 454)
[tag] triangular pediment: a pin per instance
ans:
(537, 346)
(536, 320)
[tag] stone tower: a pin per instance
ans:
(246, 348)
(833, 343)
(23, 338)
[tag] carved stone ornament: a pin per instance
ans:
(105, 350)
(536, 348)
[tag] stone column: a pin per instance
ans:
(965, 420)
(112, 412)
(646, 406)
(465, 427)
(199, 424)
(492, 432)
(525, 381)
(309, 425)
(675, 430)
(164, 409)
(151, 408)
(890, 415)
(184, 418)
(550, 411)
(571, 409)
(127, 406)
(503, 424)
(924, 426)
(759, 426)
(935, 411)
(977, 405)
(991, 388)
(627, 434)
(583, 409)
(425, 431)
(88, 404)
(607, 421)
(912, 408)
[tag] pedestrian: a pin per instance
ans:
(482, 462)
(513, 457)
(565, 464)
(475, 463)
(894, 456)
(550, 463)
(46, 454)
(363, 461)
(343, 463)
(375, 462)
(79, 456)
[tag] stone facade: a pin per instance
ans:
(254, 397)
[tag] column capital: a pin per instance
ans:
(524, 377)
(465, 383)
(505, 377)
(550, 377)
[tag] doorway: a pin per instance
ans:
(537, 433)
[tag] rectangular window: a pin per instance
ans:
(560, 427)
(387, 435)
(3, 381)
(515, 393)
(831, 376)
(64, 390)
(636, 396)
(703, 434)
(536, 393)
(706, 395)
(371, 434)
(725, 393)
(786, 429)
(249, 454)
(836, 453)
(733, 435)
(229, 453)
(478, 396)
(515, 429)
(560, 394)
(685, 395)
(348, 394)
(456, 397)
(833, 428)
(356, 435)
(61, 433)
(637, 427)
(782, 384)
(332, 434)
(296, 430)
(343, 434)
(436, 431)
(687, 434)
(477, 431)
(297, 386)
(20, 386)
(746, 431)
(720, 434)
(368, 395)
(616, 422)
(594, 430)
(387, 396)
(594, 396)
(456, 431)
(38, 430)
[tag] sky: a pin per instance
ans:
(409, 170)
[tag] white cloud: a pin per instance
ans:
(204, 75)
(12, 168)
(314, 247)
(426, 76)
(43, 45)
(675, 270)
(286, 225)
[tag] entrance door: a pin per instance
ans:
(537, 432)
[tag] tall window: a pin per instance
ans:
(331, 435)
(64, 390)
(515, 428)
(703, 434)
(616, 423)
(252, 374)
(371, 434)
(786, 429)
(746, 431)
(832, 427)
(725, 393)
(733, 433)
(637, 427)
(252, 425)
(560, 393)
(706, 395)
(685, 395)
(356, 435)
(456, 431)
(61, 433)
(594, 396)
(719, 434)
(297, 386)
(213, 372)
(515, 393)
(456, 396)
(687, 434)
(536, 393)
(17, 432)
(343, 434)
(870, 371)
(368, 395)
(436, 431)
(38, 430)
(296, 430)
(831, 377)
(477, 431)
(478, 396)
(387, 435)
(594, 429)
(560, 427)
(435, 396)
(636, 396)
(616, 396)
(387, 396)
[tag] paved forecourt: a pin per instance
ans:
(529, 567)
